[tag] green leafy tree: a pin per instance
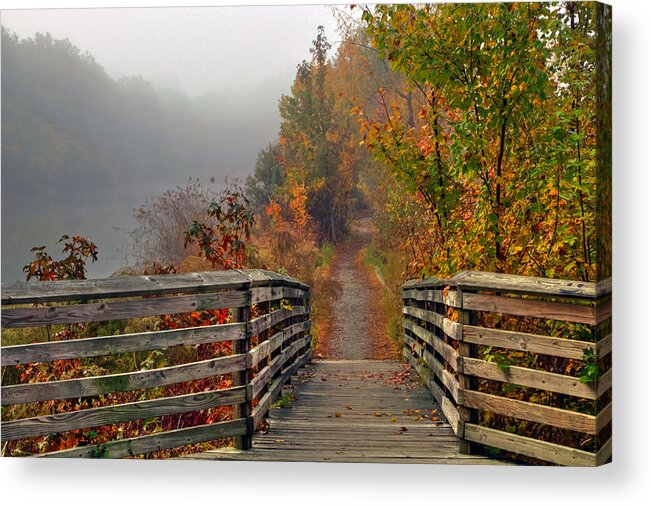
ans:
(267, 177)
(502, 153)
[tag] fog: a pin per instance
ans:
(195, 49)
(84, 142)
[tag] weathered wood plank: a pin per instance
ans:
(478, 281)
(424, 295)
(267, 293)
(605, 453)
(542, 380)
(312, 430)
(86, 387)
(531, 343)
(424, 449)
(604, 287)
(267, 373)
(278, 363)
(451, 384)
(265, 322)
(466, 382)
(451, 415)
(431, 445)
(415, 433)
(275, 389)
(528, 307)
(322, 428)
(547, 415)
(450, 411)
(123, 343)
(605, 383)
(425, 315)
(335, 457)
(430, 282)
(530, 447)
(60, 422)
(104, 311)
(136, 286)
(445, 350)
(436, 368)
(264, 349)
(604, 417)
(156, 442)
(129, 286)
(452, 329)
(453, 298)
(605, 346)
(259, 277)
(242, 376)
(425, 375)
(604, 310)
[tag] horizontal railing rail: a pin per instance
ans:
(507, 358)
(266, 327)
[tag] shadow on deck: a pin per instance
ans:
(356, 411)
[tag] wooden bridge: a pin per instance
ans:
(452, 400)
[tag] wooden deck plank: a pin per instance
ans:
(356, 411)
(297, 456)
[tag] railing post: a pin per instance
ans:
(466, 350)
(243, 314)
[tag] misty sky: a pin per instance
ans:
(245, 57)
(194, 49)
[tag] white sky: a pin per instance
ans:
(195, 49)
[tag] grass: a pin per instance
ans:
(374, 258)
(388, 266)
(325, 254)
(284, 401)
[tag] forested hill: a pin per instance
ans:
(80, 149)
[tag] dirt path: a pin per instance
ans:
(358, 328)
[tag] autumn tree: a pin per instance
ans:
(500, 153)
(318, 151)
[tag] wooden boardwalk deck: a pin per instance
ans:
(356, 411)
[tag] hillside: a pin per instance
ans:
(80, 149)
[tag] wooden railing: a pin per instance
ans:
(507, 358)
(266, 351)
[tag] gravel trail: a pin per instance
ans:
(358, 330)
